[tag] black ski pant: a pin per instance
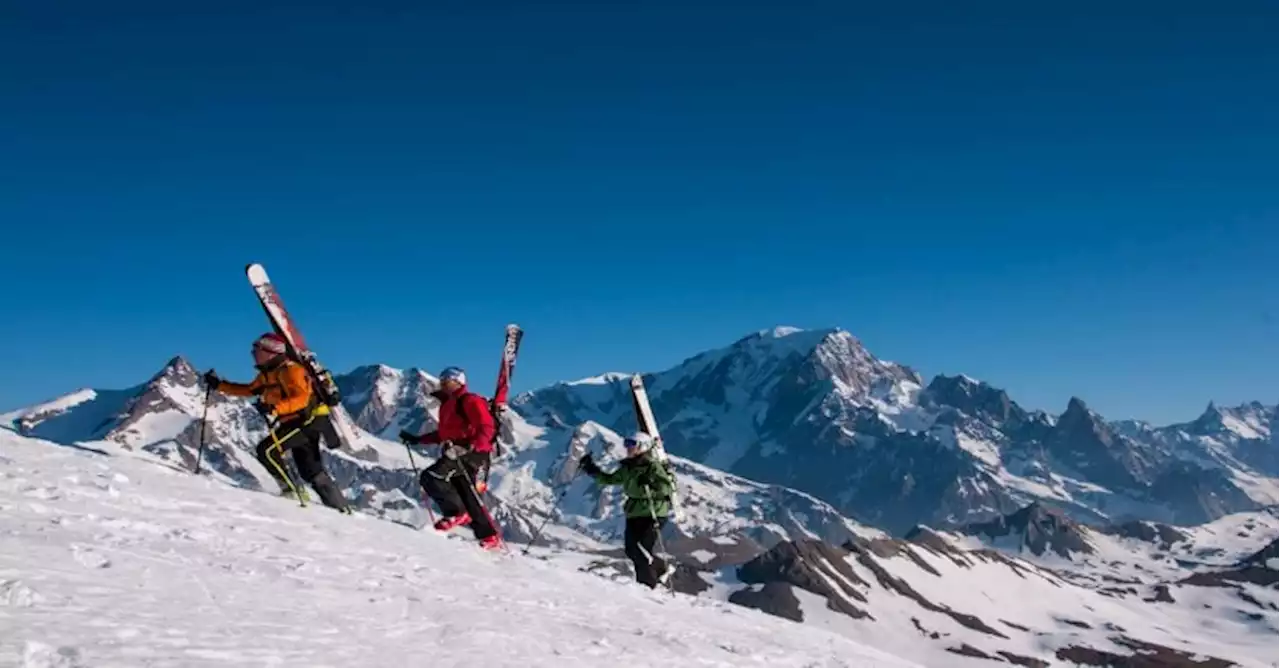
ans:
(301, 438)
(451, 484)
(638, 540)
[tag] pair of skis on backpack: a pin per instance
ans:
(285, 326)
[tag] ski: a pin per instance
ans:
(644, 413)
(285, 326)
(498, 405)
(646, 423)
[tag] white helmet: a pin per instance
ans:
(637, 443)
(454, 373)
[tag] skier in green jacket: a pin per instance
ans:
(647, 484)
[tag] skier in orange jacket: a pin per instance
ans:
(286, 396)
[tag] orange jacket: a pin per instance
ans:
(286, 389)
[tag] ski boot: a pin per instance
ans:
(447, 523)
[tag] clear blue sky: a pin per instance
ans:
(1062, 199)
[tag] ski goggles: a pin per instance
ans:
(630, 443)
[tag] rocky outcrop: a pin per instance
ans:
(1156, 533)
(1038, 529)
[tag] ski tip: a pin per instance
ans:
(256, 272)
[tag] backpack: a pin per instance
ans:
(497, 423)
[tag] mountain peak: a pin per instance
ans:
(779, 332)
(178, 371)
(972, 397)
(1210, 417)
(1078, 421)
(606, 378)
(1077, 406)
(375, 371)
(789, 338)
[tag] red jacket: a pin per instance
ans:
(468, 424)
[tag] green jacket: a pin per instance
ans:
(635, 475)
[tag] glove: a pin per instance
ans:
(408, 437)
(451, 450)
(265, 411)
(211, 379)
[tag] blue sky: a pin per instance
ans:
(1060, 199)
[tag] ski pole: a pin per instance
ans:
(555, 506)
(426, 502)
(662, 548)
(204, 426)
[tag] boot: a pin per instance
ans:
(664, 574)
(447, 523)
(329, 493)
(287, 492)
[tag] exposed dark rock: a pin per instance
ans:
(922, 535)
(970, 650)
(775, 598)
(888, 548)
(972, 397)
(687, 580)
(923, 631)
(1260, 575)
(1199, 495)
(1082, 441)
(1145, 655)
(1041, 529)
(888, 581)
(1161, 595)
(1155, 533)
(1260, 558)
(801, 564)
(1020, 660)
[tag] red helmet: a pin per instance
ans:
(271, 343)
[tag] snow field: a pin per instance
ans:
(116, 561)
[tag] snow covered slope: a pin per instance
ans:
(135, 512)
(916, 598)
(115, 561)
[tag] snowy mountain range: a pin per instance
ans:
(815, 411)
(812, 411)
(799, 454)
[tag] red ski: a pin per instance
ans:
(498, 405)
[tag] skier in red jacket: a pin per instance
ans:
(465, 433)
